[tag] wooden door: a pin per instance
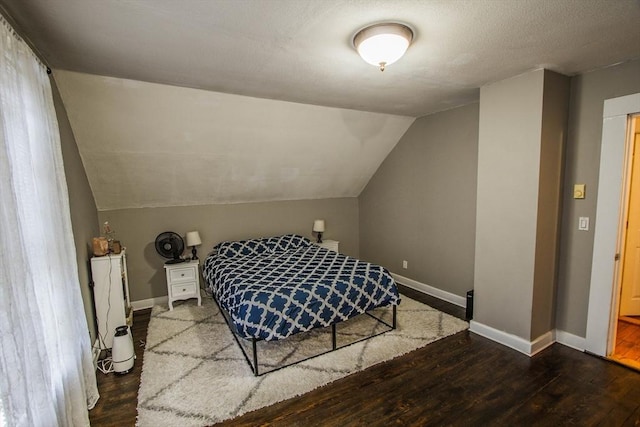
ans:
(630, 293)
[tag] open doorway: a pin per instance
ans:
(602, 316)
(626, 349)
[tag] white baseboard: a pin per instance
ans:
(515, 342)
(542, 342)
(529, 347)
(570, 340)
(430, 290)
(148, 303)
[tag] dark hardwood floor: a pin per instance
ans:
(462, 380)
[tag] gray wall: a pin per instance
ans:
(588, 92)
(420, 205)
(555, 110)
(84, 216)
(507, 209)
(138, 228)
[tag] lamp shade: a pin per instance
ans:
(318, 225)
(193, 238)
(383, 44)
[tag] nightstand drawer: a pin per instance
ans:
(184, 289)
(183, 274)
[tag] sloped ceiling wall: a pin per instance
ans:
(148, 145)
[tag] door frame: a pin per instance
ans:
(603, 298)
(633, 128)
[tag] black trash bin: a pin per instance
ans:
(469, 312)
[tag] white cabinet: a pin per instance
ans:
(111, 294)
(332, 245)
(183, 281)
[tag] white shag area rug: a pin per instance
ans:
(194, 374)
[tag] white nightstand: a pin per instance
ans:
(332, 245)
(183, 281)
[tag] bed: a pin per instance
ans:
(272, 288)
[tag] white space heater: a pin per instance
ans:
(122, 354)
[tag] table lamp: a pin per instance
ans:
(193, 240)
(318, 227)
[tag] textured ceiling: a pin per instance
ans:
(146, 144)
(300, 50)
(173, 143)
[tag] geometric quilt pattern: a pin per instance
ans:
(272, 295)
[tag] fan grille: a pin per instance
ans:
(169, 245)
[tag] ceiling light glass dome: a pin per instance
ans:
(383, 44)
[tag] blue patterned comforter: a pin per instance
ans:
(276, 287)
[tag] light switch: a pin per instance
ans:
(583, 223)
(578, 191)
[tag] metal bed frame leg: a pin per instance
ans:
(394, 316)
(333, 335)
(255, 356)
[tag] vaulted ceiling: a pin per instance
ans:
(146, 144)
(206, 124)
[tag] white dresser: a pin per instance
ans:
(183, 281)
(332, 245)
(111, 294)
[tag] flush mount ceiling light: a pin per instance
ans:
(383, 44)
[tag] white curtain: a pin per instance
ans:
(47, 376)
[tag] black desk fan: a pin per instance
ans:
(170, 245)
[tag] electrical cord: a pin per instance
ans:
(101, 338)
(105, 365)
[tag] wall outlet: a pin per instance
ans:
(405, 264)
